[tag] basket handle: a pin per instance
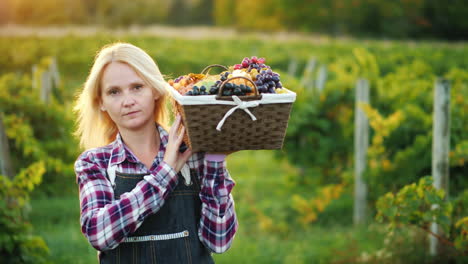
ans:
(220, 92)
(208, 68)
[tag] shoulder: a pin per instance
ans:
(92, 160)
(96, 155)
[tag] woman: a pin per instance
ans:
(136, 205)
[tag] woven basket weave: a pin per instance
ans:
(239, 131)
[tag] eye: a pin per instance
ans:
(138, 86)
(113, 91)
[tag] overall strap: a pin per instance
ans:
(186, 173)
(111, 171)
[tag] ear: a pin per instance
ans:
(156, 96)
(102, 107)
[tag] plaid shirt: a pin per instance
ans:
(106, 222)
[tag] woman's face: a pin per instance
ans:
(126, 97)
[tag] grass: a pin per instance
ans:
(261, 184)
(56, 220)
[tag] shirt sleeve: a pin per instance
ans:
(218, 223)
(105, 221)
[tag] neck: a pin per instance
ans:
(143, 141)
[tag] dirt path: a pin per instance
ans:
(195, 32)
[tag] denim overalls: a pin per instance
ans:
(170, 235)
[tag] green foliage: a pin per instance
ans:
(421, 204)
(398, 19)
(223, 15)
(17, 244)
(37, 132)
(460, 218)
(321, 128)
(247, 13)
(415, 204)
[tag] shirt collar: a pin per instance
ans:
(120, 152)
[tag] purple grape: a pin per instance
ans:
(262, 89)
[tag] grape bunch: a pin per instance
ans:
(252, 68)
(236, 89)
(268, 81)
(215, 87)
(228, 90)
(252, 63)
(265, 79)
(197, 91)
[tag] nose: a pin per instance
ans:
(128, 100)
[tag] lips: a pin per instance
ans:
(130, 113)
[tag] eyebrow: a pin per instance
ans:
(133, 83)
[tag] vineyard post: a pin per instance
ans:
(46, 84)
(5, 161)
(54, 72)
(321, 78)
(307, 80)
(361, 143)
(440, 148)
(34, 77)
(292, 68)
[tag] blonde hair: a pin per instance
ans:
(95, 128)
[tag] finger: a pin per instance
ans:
(186, 155)
(175, 125)
(180, 137)
(177, 120)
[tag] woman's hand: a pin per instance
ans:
(173, 157)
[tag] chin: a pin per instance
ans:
(135, 124)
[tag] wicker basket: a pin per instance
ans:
(209, 67)
(201, 115)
